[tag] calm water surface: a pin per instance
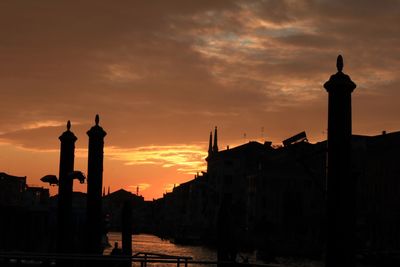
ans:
(154, 244)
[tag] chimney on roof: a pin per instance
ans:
(268, 143)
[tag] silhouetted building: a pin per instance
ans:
(24, 215)
(272, 191)
(277, 197)
(12, 189)
(36, 196)
(376, 170)
(113, 205)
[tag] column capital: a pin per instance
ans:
(339, 81)
(68, 135)
(96, 131)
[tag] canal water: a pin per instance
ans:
(154, 244)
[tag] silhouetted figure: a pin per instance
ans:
(95, 184)
(116, 251)
(64, 211)
(341, 185)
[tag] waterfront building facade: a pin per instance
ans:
(277, 197)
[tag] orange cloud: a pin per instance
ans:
(122, 73)
(187, 158)
(39, 124)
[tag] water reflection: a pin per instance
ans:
(153, 244)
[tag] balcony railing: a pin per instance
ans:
(142, 259)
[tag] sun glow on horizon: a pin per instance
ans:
(188, 158)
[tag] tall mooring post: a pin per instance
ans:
(341, 184)
(127, 228)
(64, 210)
(94, 186)
(226, 250)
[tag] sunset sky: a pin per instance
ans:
(162, 74)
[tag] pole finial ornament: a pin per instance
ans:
(68, 125)
(339, 63)
(97, 119)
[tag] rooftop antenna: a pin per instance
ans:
(137, 190)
